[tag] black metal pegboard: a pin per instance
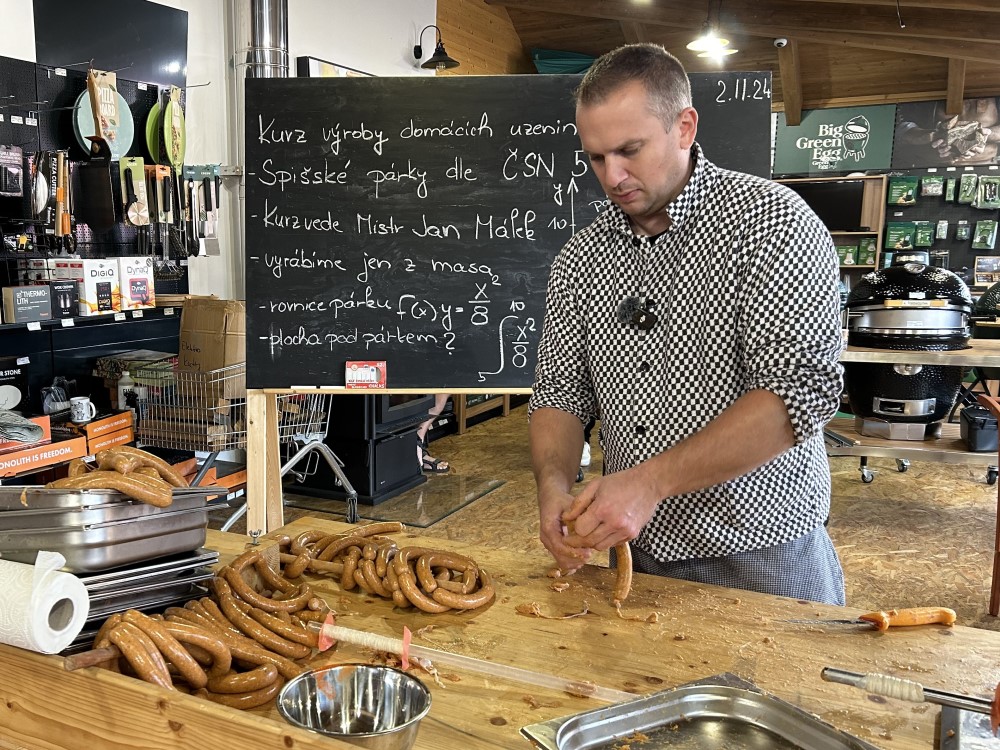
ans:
(961, 257)
(63, 91)
(17, 88)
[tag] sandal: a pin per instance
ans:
(431, 465)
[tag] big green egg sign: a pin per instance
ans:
(843, 139)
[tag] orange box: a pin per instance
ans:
(6, 446)
(24, 461)
(109, 440)
(103, 425)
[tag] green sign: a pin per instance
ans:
(842, 139)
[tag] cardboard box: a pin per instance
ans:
(65, 298)
(6, 446)
(26, 304)
(135, 279)
(14, 383)
(213, 336)
(104, 424)
(847, 255)
(99, 291)
(109, 440)
(69, 268)
(29, 459)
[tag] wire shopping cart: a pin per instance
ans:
(206, 412)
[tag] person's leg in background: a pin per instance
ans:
(427, 462)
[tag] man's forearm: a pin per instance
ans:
(556, 439)
(747, 435)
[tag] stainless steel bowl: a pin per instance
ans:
(374, 707)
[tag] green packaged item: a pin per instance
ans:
(932, 184)
(847, 255)
(902, 191)
(942, 230)
(899, 235)
(867, 249)
(988, 193)
(963, 231)
(985, 237)
(967, 187)
(949, 190)
(923, 234)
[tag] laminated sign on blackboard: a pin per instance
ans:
(414, 220)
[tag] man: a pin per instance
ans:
(699, 316)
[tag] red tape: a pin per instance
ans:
(325, 641)
(407, 637)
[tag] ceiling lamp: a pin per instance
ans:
(440, 59)
(710, 44)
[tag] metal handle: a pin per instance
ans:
(894, 687)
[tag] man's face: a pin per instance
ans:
(641, 165)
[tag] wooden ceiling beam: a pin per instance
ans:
(791, 81)
(956, 87)
(929, 34)
(633, 32)
(979, 6)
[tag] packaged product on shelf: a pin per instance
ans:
(985, 237)
(902, 191)
(932, 184)
(26, 304)
(11, 171)
(899, 235)
(847, 254)
(867, 250)
(923, 234)
(950, 188)
(14, 383)
(988, 193)
(967, 187)
(135, 278)
(99, 291)
(65, 297)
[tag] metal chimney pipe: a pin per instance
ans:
(267, 56)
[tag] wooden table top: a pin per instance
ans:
(699, 631)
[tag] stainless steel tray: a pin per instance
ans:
(88, 515)
(134, 597)
(965, 730)
(162, 568)
(719, 712)
(110, 545)
(30, 497)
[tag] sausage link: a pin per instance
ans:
(335, 548)
(383, 527)
(166, 471)
(136, 487)
(244, 700)
(195, 637)
(385, 552)
(247, 594)
(111, 460)
(296, 565)
(481, 597)
(367, 568)
(286, 630)
(623, 581)
(408, 585)
(170, 648)
(270, 640)
(137, 650)
(77, 468)
(306, 541)
(347, 581)
(257, 678)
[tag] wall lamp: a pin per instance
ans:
(439, 60)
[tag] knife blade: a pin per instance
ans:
(894, 618)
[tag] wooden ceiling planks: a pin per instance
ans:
(850, 51)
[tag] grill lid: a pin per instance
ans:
(910, 281)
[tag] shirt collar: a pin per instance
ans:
(684, 205)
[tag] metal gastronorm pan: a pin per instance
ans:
(90, 514)
(95, 547)
(721, 712)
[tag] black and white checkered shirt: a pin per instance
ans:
(744, 285)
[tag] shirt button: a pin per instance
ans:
(644, 367)
(640, 429)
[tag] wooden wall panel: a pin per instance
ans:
(482, 38)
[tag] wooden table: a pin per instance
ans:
(701, 631)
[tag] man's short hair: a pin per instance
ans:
(661, 74)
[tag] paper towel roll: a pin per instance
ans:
(41, 608)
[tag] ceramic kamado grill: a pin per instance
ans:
(909, 306)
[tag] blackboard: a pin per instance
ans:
(414, 220)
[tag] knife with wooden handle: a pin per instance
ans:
(895, 618)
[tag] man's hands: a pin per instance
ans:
(611, 509)
(552, 505)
